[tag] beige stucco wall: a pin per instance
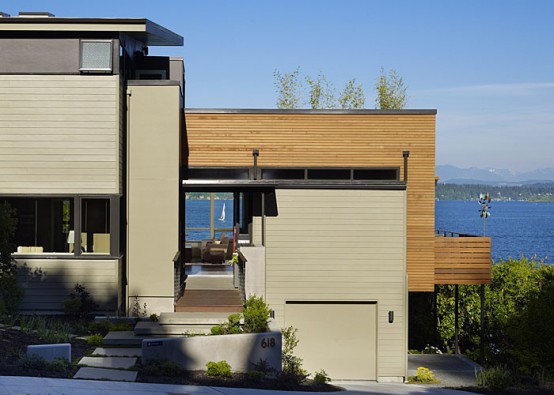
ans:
(152, 194)
(342, 246)
(59, 134)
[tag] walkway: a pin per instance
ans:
(36, 386)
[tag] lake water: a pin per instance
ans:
(516, 228)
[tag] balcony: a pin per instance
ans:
(462, 258)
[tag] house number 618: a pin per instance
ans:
(268, 342)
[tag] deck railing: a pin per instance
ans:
(462, 258)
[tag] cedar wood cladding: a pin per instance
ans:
(366, 138)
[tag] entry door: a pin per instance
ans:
(337, 337)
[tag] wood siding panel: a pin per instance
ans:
(59, 134)
(327, 140)
(462, 260)
(48, 282)
(298, 261)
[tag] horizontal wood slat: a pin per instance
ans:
(333, 140)
(462, 260)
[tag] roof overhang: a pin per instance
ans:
(269, 185)
(142, 29)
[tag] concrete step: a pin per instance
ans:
(118, 352)
(105, 374)
(122, 338)
(154, 328)
(108, 362)
(198, 318)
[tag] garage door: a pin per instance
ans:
(339, 337)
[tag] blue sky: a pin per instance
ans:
(486, 66)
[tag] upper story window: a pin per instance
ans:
(96, 56)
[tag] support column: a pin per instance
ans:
(456, 316)
(482, 337)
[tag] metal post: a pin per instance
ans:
(263, 219)
(482, 337)
(456, 327)
(436, 317)
(212, 218)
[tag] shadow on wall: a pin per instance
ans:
(48, 283)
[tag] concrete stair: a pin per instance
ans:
(112, 364)
(178, 324)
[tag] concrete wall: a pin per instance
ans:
(240, 351)
(59, 134)
(48, 282)
(152, 194)
(342, 246)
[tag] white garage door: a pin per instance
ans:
(339, 337)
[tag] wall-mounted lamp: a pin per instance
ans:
(272, 313)
(391, 317)
(255, 154)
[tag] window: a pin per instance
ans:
(96, 56)
(95, 226)
(209, 214)
(66, 225)
(43, 224)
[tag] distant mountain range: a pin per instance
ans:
(454, 175)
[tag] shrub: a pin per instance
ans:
(32, 362)
(11, 293)
(58, 365)
(423, 376)
(256, 315)
(163, 368)
(219, 369)
(154, 317)
(80, 303)
(121, 326)
(101, 327)
(95, 340)
(256, 375)
(292, 365)
(496, 378)
(321, 377)
(231, 327)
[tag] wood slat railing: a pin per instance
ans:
(462, 259)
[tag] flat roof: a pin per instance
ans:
(266, 185)
(308, 111)
(143, 29)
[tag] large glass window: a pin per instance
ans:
(209, 214)
(66, 225)
(43, 224)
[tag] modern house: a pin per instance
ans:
(333, 211)
(90, 137)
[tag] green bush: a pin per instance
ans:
(47, 328)
(219, 369)
(231, 327)
(163, 368)
(102, 327)
(154, 317)
(32, 362)
(95, 340)
(292, 365)
(256, 315)
(256, 376)
(321, 377)
(80, 303)
(496, 378)
(11, 293)
(423, 376)
(58, 365)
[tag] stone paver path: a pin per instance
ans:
(111, 363)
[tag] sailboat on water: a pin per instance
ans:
(222, 218)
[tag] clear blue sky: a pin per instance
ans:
(486, 66)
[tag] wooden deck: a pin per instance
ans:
(210, 300)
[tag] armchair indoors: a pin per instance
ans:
(215, 251)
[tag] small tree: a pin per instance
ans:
(321, 94)
(391, 91)
(10, 292)
(352, 96)
(288, 89)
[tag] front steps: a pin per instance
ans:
(179, 324)
(114, 364)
